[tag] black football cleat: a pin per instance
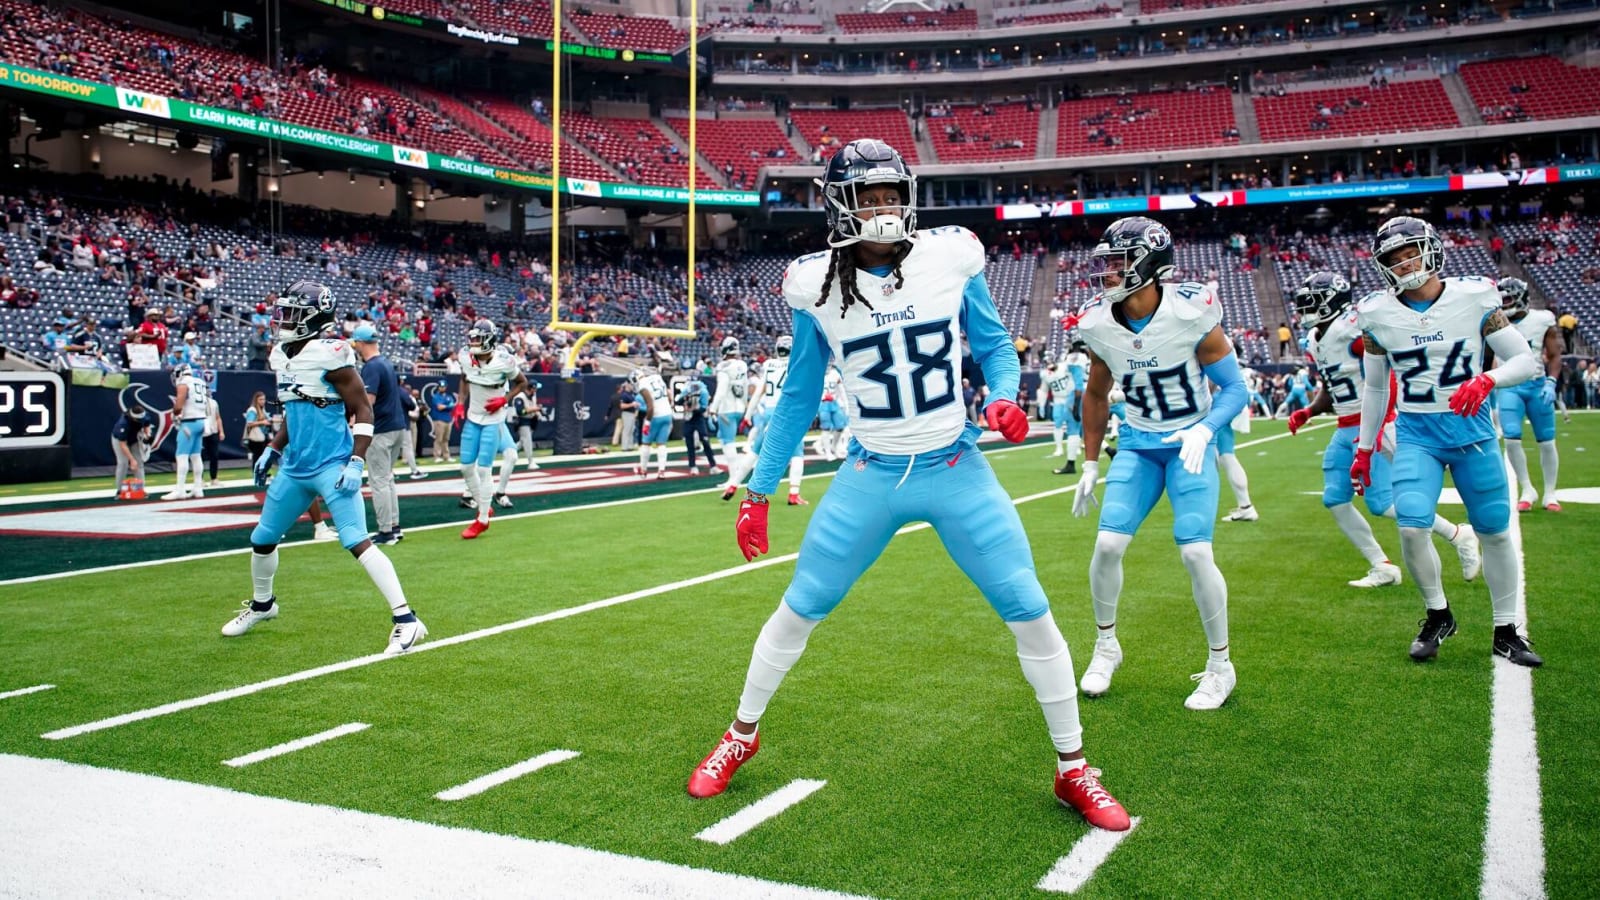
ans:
(1071, 468)
(1513, 646)
(1439, 625)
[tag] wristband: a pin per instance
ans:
(361, 428)
(757, 499)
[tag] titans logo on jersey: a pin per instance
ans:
(1337, 355)
(312, 408)
(900, 359)
(487, 379)
(1433, 350)
(1156, 367)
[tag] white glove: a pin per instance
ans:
(1083, 494)
(1196, 444)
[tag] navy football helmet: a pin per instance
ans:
(1407, 231)
(482, 337)
(1513, 295)
(1137, 249)
(303, 311)
(859, 164)
(1322, 297)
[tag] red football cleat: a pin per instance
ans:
(1524, 506)
(476, 528)
(1552, 506)
(797, 500)
(711, 777)
(1080, 789)
(729, 491)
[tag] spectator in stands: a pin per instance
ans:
(1568, 323)
(258, 348)
(54, 339)
(1285, 339)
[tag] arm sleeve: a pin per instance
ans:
(1374, 398)
(1230, 399)
(991, 344)
(1517, 362)
(802, 394)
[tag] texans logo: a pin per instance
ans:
(133, 395)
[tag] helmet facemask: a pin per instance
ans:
(1395, 236)
(852, 221)
(1514, 295)
(303, 311)
(1107, 265)
(783, 345)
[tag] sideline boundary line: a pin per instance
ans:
(552, 616)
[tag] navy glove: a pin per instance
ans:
(264, 464)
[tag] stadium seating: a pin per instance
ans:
(518, 17)
(731, 143)
(1010, 122)
(636, 147)
(1402, 106)
(520, 121)
(889, 125)
(634, 32)
(1162, 121)
(1082, 15)
(1555, 90)
(871, 23)
(1566, 273)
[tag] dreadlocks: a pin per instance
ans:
(842, 264)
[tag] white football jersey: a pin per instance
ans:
(1058, 378)
(1436, 349)
(732, 377)
(657, 386)
(1337, 355)
(770, 378)
(487, 379)
(194, 405)
(1157, 368)
(301, 378)
(1533, 327)
(833, 386)
(901, 359)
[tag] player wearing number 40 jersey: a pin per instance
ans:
(1335, 347)
(1433, 331)
(889, 304)
(1158, 343)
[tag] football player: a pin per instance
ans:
(189, 404)
(889, 303)
(1159, 342)
(655, 405)
(1228, 461)
(1335, 347)
(773, 374)
(321, 455)
(1534, 399)
(491, 378)
(1432, 332)
(731, 398)
(830, 415)
(1062, 391)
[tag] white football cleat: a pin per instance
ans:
(179, 494)
(1242, 514)
(1107, 657)
(1466, 544)
(198, 494)
(405, 636)
(1214, 686)
(1378, 576)
(248, 618)
(323, 532)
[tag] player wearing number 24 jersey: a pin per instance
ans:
(1158, 343)
(1432, 332)
(889, 305)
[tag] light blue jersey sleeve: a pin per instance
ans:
(1231, 396)
(990, 342)
(802, 394)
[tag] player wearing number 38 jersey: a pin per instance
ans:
(1158, 343)
(889, 304)
(1432, 332)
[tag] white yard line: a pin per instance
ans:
(1513, 838)
(741, 822)
(510, 773)
(358, 662)
(1074, 870)
(27, 690)
(72, 830)
(310, 740)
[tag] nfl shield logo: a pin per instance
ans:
(861, 465)
(1138, 343)
(888, 289)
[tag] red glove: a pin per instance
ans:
(1361, 471)
(494, 404)
(1467, 398)
(460, 413)
(1007, 418)
(644, 430)
(1298, 419)
(752, 528)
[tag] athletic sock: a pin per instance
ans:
(263, 566)
(382, 573)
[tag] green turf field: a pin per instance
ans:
(1338, 768)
